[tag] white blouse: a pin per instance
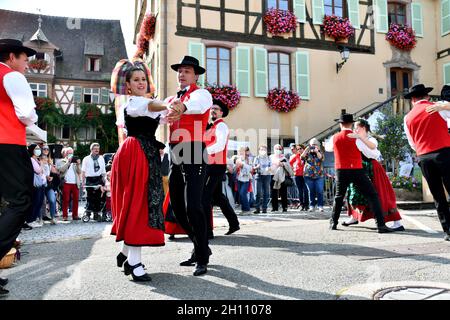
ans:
(369, 153)
(138, 107)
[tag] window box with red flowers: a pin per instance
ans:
(38, 64)
(337, 28)
(282, 100)
(229, 95)
(402, 37)
(280, 22)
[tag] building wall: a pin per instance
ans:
(363, 80)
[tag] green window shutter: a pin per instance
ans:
(104, 96)
(243, 70)
(445, 17)
(302, 74)
(77, 94)
(447, 73)
(417, 18)
(300, 10)
(260, 65)
(318, 11)
(197, 50)
(353, 13)
(381, 16)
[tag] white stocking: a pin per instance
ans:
(125, 249)
(351, 219)
(134, 257)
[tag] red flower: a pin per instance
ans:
(282, 100)
(337, 27)
(402, 37)
(280, 21)
(229, 95)
(38, 64)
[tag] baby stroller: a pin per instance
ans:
(102, 215)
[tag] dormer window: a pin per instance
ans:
(93, 64)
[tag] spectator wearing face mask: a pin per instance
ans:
(70, 170)
(261, 167)
(39, 184)
(276, 160)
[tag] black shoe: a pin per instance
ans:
(172, 237)
(3, 291)
(257, 211)
(200, 269)
(45, 218)
(129, 270)
(193, 259)
(232, 230)
(284, 210)
(401, 228)
(3, 282)
(264, 211)
(385, 229)
(27, 227)
(333, 226)
(345, 224)
(121, 258)
(447, 237)
(274, 210)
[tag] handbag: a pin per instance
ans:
(37, 182)
(288, 182)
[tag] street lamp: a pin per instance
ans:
(345, 54)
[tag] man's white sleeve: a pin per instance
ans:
(408, 135)
(221, 139)
(199, 102)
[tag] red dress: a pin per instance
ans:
(129, 193)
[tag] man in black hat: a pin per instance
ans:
(217, 141)
(17, 111)
(188, 166)
(427, 132)
(349, 168)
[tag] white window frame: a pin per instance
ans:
(90, 91)
(37, 87)
(98, 63)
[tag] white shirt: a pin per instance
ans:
(445, 114)
(199, 101)
(138, 107)
(70, 175)
(369, 153)
(88, 166)
(221, 139)
(19, 91)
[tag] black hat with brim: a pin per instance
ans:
(418, 90)
(12, 45)
(190, 62)
(222, 106)
(445, 93)
(345, 118)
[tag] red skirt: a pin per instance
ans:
(386, 195)
(129, 190)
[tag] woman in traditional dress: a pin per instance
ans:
(136, 184)
(358, 208)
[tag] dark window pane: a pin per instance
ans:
(224, 54)
(393, 80)
(401, 20)
(211, 53)
(66, 132)
(224, 72)
(40, 55)
(405, 80)
(211, 71)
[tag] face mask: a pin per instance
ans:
(262, 152)
(277, 152)
(37, 153)
(70, 156)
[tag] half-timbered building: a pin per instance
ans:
(73, 64)
(231, 40)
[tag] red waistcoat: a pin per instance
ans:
(191, 127)
(346, 153)
(210, 139)
(12, 131)
(429, 132)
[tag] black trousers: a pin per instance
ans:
(213, 195)
(94, 196)
(357, 176)
(16, 185)
(186, 185)
(436, 170)
(282, 192)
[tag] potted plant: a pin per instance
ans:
(337, 28)
(282, 100)
(280, 21)
(402, 37)
(407, 188)
(229, 95)
(38, 64)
